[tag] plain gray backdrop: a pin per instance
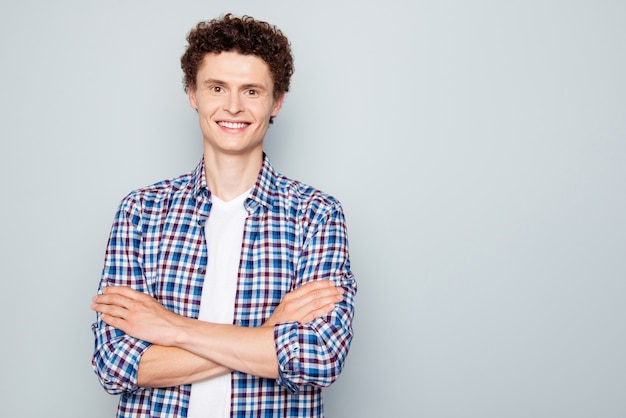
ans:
(478, 148)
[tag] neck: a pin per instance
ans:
(228, 176)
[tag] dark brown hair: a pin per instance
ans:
(244, 35)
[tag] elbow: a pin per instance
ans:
(297, 376)
(116, 359)
(319, 367)
(329, 371)
(109, 384)
(112, 383)
(313, 354)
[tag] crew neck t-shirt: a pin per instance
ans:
(224, 235)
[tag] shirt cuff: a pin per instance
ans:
(288, 354)
(117, 363)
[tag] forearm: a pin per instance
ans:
(171, 366)
(248, 350)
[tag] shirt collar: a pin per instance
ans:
(263, 192)
(198, 182)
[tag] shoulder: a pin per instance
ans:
(305, 200)
(158, 195)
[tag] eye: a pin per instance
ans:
(252, 92)
(216, 89)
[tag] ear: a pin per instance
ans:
(278, 103)
(191, 93)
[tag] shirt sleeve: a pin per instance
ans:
(116, 355)
(314, 353)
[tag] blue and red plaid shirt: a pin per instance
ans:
(293, 234)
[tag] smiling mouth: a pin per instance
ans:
(233, 125)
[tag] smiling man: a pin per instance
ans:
(226, 292)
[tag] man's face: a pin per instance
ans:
(234, 96)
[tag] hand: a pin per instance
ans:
(311, 300)
(137, 314)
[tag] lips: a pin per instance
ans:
(232, 125)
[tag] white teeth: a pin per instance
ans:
(233, 125)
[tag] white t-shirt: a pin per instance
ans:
(224, 234)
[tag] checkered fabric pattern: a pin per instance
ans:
(293, 234)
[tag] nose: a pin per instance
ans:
(233, 104)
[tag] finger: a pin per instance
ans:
(315, 306)
(321, 301)
(110, 310)
(114, 321)
(312, 286)
(113, 299)
(313, 290)
(321, 296)
(318, 313)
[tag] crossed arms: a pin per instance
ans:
(299, 338)
(186, 350)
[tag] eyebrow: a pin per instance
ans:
(213, 81)
(255, 86)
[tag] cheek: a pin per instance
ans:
(208, 107)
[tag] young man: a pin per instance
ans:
(226, 292)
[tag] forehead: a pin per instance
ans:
(234, 67)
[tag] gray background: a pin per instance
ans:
(478, 148)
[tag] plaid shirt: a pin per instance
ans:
(293, 234)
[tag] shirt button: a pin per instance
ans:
(200, 270)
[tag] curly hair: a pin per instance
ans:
(244, 35)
